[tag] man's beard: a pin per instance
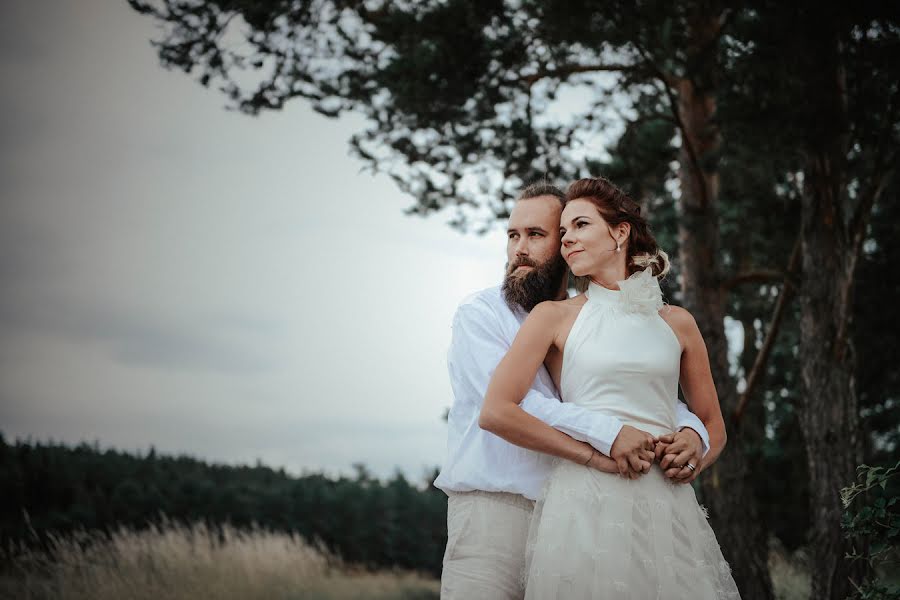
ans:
(540, 284)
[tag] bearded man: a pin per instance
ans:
(491, 483)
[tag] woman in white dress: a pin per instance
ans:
(616, 348)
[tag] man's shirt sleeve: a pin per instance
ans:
(685, 418)
(477, 346)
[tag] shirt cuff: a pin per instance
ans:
(614, 430)
(600, 437)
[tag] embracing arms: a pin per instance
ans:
(503, 415)
(477, 346)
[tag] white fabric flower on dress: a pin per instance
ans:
(641, 293)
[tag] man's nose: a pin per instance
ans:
(522, 247)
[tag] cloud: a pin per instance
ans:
(233, 344)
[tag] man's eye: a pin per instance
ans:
(536, 234)
(513, 236)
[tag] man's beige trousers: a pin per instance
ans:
(485, 555)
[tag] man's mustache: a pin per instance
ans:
(522, 262)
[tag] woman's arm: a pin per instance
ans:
(697, 383)
(501, 413)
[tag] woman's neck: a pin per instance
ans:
(610, 276)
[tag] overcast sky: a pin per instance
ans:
(205, 282)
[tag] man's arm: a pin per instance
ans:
(699, 389)
(598, 430)
(477, 347)
(685, 419)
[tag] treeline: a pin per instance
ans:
(52, 488)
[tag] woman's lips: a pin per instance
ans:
(573, 253)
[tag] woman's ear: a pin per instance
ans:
(623, 231)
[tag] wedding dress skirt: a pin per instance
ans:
(599, 535)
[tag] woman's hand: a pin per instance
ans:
(675, 451)
(603, 463)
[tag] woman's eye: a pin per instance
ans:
(580, 224)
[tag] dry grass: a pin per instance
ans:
(790, 573)
(175, 562)
(181, 563)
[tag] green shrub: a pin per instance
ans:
(871, 523)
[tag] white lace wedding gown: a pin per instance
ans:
(599, 535)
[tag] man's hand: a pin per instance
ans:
(676, 450)
(633, 452)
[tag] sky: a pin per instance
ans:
(180, 276)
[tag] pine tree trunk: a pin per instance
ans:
(829, 412)
(726, 489)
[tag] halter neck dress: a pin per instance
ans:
(599, 535)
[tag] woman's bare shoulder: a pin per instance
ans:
(556, 310)
(679, 318)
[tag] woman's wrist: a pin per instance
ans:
(603, 463)
(590, 457)
(577, 452)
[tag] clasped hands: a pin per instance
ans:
(634, 451)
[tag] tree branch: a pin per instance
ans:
(692, 153)
(758, 276)
(759, 364)
(724, 20)
(885, 165)
(669, 81)
(647, 118)
(884, 170)
(564, 70)
(864, 210)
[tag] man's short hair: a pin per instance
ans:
(542, 188)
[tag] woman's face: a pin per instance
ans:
(588, 242)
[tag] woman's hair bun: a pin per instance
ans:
(658, 262)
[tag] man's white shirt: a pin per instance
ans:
(484, 328)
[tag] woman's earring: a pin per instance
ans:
(618, 247)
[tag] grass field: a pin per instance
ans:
(176, 562)
(790, 573)
(192, 563)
